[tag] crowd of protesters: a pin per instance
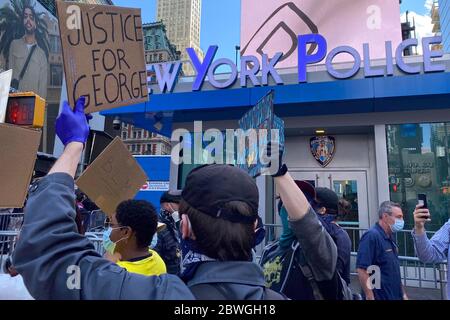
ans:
(205, 245)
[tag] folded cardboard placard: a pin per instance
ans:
(113, 177)
(17, 158)
(5, 82)
(103, 52)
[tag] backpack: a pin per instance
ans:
(278, 264)
(209, 291)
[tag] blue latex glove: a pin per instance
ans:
(71, 125)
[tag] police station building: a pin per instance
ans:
(384, 123)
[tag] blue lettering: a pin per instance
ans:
(201, 68)
(227, 83)
(167, 78)
(428, 54)
(389, 59)
(303, 58)
(346, 74)
(268, 67)
(368, 70)
(399, 56)
(252, 72)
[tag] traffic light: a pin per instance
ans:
(25, 109)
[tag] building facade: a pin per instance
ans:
(158, 48)
(143, 142)
(157, 45)
(436, 21)
(182, 19)
(392, 140)
(444, 15)
(50, 5)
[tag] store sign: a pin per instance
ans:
(155, 186)
(251, 70)
(323, 149)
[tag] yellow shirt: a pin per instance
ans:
(150, 266)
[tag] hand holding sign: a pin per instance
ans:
(71, 125)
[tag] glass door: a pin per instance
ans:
(351, 186)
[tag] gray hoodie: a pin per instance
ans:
(56, 262)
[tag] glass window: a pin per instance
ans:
(56, 75)
(55, 44)
(419, 162)
(207, 156)
(124, 135)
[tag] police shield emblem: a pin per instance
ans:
(322, 148)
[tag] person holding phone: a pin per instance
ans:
(436, 249)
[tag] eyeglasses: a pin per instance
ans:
(112, 225)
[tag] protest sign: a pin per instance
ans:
(113, 177)
(103, 55)
(17, 159)
(260, 117)
(5, 82)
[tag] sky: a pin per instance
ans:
(220, 23)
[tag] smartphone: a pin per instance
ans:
(422, 200)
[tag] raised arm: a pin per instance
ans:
(57, 262)
(432, 250)
(318, 247)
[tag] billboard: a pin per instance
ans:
(271, 26)
(28, 32)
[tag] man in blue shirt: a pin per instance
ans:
(378, 253)
(436, 249)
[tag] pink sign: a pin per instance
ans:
(271, 26)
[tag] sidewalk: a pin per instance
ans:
(413, 292)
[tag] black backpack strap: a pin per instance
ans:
(27, 62)
(306, 270)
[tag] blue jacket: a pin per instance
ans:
(56, 262)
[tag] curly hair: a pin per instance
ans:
(141, 217)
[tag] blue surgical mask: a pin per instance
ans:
(108, 244)
(398, 225)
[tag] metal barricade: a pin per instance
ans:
(414, 273)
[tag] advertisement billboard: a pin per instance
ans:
(271, 26)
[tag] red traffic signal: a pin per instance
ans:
(25, 109)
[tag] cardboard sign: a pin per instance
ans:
(5, 82)
(261, 116)
(17, 158)
(113, 177)
(103, 54)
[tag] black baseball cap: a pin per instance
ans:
(210, 187)
(170, 196)
(327, 198)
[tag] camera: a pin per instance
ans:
(117, 123)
